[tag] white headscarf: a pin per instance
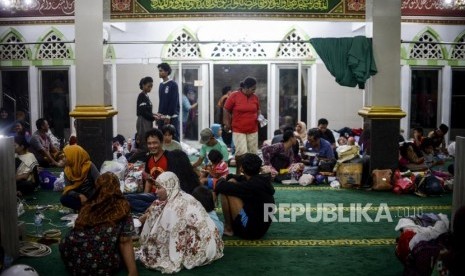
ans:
(303, 130)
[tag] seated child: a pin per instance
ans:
(427, 148)
(217, 169)
(169, 131)
(118, 146)
(205, 196)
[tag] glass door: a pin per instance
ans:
(424, 103)
(457, 112)
(194, 97)
(231, 75)
(288, 83)
(290, 99)
(15, 97)
(55, 101)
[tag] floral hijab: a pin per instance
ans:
(170, 182)
(107, 206)
(178, 232)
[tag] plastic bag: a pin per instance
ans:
(115, 167)
(59, 183)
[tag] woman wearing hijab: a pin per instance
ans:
(178, 231)
(301, 129)
(80, 176)
(101, 240)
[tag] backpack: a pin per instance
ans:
(429, 185)
(46, 180)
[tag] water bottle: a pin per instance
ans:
(38, 223)
(315, 161)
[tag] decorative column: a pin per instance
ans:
(383, 112)
(93, 111)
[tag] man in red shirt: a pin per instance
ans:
(156, 163)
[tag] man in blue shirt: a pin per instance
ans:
(168, 93)
(318, 145)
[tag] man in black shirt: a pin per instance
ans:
(243, 200)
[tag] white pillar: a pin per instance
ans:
(383, 19)
(9, 238)
(89, 52)
(446, 98)
(382, 111)
(406, 77)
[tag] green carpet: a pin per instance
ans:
(300, 247)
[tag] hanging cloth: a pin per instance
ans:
(349, 59)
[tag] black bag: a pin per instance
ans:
(280, 177)
(429, 185)
(326, 166)
(280, 161)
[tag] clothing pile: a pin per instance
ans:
(422, 239)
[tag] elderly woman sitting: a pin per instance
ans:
(178, 231)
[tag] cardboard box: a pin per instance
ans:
(350, 174)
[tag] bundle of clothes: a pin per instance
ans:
(427, 245)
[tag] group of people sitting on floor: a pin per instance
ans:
(423, 152)
(177, 208)
(177, 204)
(297, 150)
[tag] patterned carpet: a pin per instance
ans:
(355, 247)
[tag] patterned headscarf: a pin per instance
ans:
(170, 182)
(106, 206)
(77, 166)
(178, 232)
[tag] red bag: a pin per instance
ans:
(403, 185)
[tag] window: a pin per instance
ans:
(183, 46)
(14, 51)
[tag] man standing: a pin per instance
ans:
(168, 107)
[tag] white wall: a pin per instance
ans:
(128, 77)
(338, 104)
